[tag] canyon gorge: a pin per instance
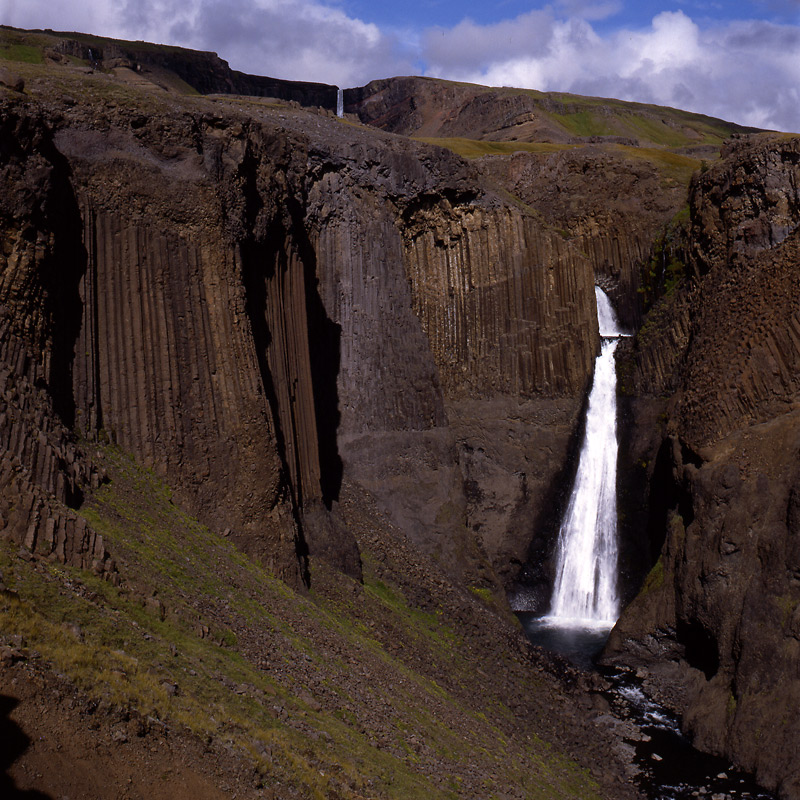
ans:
(337, 366)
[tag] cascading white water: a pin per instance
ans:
(340, 102)
(585, 590)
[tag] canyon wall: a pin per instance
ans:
(612, 202)
(259, 306)
(205, 72)
(486, 321)
(43, 470)
(717, 623)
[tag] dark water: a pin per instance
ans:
(670, 768)
(580, 644)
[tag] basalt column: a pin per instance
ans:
(166, 368)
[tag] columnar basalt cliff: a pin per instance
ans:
(719, 616)
(612, 201)
(259, 307)
(164, 66)
(304, 325)
(465, 289)
(44, 472)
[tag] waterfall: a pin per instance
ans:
(585, 590)
(340, 102)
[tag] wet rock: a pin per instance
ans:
(11, 655)
(721, 603)
(11, 80)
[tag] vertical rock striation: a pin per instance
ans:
(482, 311)
(43, 473)
(260, 306)
(720, 613)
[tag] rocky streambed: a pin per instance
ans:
(661, 760)
(668, 767)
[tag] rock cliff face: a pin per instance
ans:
(719, 616)
(43, 472)
(265, 305)
(429, 107)
(261, 305)
(612, 201)
(203, 72)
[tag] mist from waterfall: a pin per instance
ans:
(585, 589)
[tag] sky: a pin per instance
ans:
(736, 60)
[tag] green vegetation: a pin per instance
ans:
(666, 269)
(348, 691)
(675, 166)
(584, 123)
(475, 148)
(27, 54)
(654, 579)
(483, 594)
(658, 130)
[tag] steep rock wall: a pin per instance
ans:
(473, 299)
(611, 201)
(43, 473)
(205, 72)
(166, 362)
(718, 616)
(150, 343)
(509, 310)
(262, 305)
(506, 304)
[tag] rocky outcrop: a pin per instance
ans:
(718, 615)
(429, 107)
(43, 472)
(612, 202)
(205, 72)
(258, 305)
(473, 299)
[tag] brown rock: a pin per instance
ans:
(11, 80)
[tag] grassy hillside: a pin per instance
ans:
(347, 691)
(475, 120)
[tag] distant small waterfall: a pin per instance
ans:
(340, 102)
(585, 589)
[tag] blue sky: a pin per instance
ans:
(735, 60)
(447, 12)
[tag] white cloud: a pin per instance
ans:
(293, 39)
(588, 9)
(456, 51)
(746, 72)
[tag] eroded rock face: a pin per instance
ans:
(483, 314)
(721, 605)
(611, 203)
(429, 107)
(205, 72)
(258, 305)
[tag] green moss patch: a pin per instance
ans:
(346, 691)
(27, 54)
(475, 148)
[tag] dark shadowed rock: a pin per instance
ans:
(720, 602)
